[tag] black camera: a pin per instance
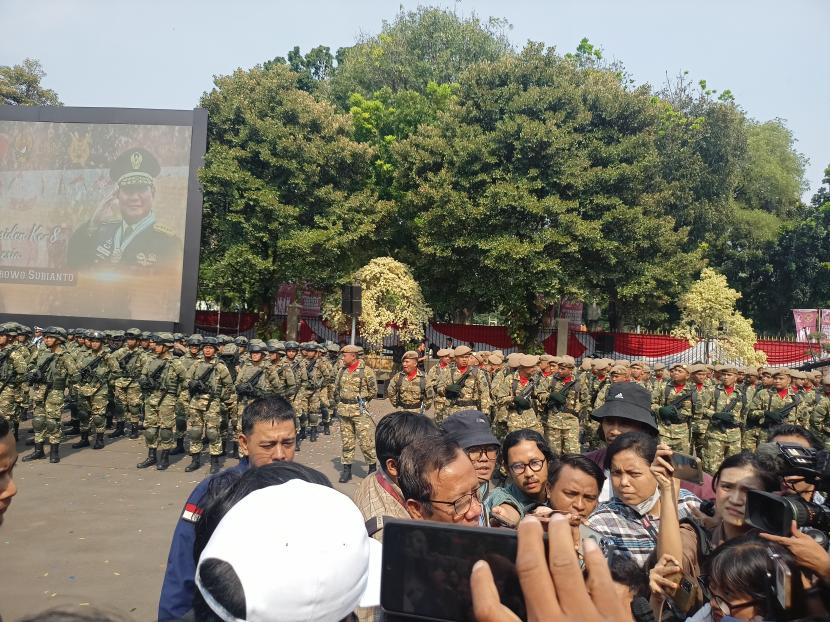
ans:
(774, 513)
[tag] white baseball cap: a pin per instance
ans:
(301, 553)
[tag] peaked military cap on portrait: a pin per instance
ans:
(135, 167)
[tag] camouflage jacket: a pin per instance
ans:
(353, 385)
(475, 392)
(166, 375)
(768, 401)
(218, 384)
(281, 379)
(13, 367)
(96, 371)
(410, 394)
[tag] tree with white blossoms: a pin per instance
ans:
(708, 313)
(392, 299)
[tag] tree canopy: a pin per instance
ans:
(20, 85)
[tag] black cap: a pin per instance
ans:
(627, 400)
(469, 428)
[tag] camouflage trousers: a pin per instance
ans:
(719, 443)
(204, 421)
(160, 421)
(128, 402)
(500, 424)
(699, 427)
(592, 438)
(48, 410)
(676, 436)
(24, 400)
(308, 407)
(92, 411)
(526, 419)
(753, 436)
(562, 434)
(356, 425)
(9, 408)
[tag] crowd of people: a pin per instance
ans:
(588, 454)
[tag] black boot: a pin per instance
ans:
(109, 422)
(303, 433)
(149, 461)
(99, 441)
(16, 431)
(55, 453)
(230, 448)
(133, 431)
(84, 442)
(312, 431)
(30, 442)
(373, 467)
(195, 463)
(236, 451)
(346, 475)
(119, 430)
(215, 467)
(297, 443)
(164, 460)
(74, 428)
(179, 447)
(326, 428)
(37, 454)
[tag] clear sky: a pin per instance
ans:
(772, 54)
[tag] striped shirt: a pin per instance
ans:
(623, 528)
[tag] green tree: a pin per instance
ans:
(772, 177)
(20, 85)
(416, 48)
(285, 189)
(314, 69)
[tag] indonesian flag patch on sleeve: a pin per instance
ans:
(192, 513)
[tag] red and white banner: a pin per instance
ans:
(806, 321)
(824, 323)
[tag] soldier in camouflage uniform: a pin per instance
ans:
(502, 384)
(162, 380)
(49, 375)
(326, 359)
(434, 372)
(409, 390)
(723, 435)
(27, 350)
(354, 387)
(192, 354)
(13, 369)
(307, 403)
(281, 378)
(295, 362)
(820, 421)
(93, 389)
(770, 407)
(562, 408)
(750, 385)
(463, 386)
(673, 409)
(252, 383)
(807, 392)
(131, 359)
(518, 396)
(702, 394)
(209, 397)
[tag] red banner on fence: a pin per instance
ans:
(805, 323)
(649, 346)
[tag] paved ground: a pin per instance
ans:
(94, 530)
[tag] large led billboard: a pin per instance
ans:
(100, 214)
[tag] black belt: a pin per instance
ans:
(415, 405)
(466, 403)
(352, 401)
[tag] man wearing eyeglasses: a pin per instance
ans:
(439, 483)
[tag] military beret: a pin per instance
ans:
(443, 352)
(659, 367)
(495, 359)
(556, 360)
(165, 339)
(498, 353)
(210, 341)
(348, 349)
(545, 358)
(513, 359)
(601, 364)
(765, 371)
(751, 371)
(797, 374)
(825, 379)
(638, 364)
(587, 364)
(619, 369)
(624, 362)
(462, 351)
(680, 365)
(134, 167)
(292, 345)
(409, 354)
(782, 371)
(728, 369)
(528, 360)
(693, 369)
(568, 361)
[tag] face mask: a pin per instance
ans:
(644, 507)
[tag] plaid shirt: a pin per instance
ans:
(623, 528)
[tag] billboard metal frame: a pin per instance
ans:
(197, 120)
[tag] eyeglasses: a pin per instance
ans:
(716, 600)
(477, 453)
(517, 468)
(461, 505)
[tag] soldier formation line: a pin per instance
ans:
(186, 394)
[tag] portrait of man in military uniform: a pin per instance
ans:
(123, 231)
